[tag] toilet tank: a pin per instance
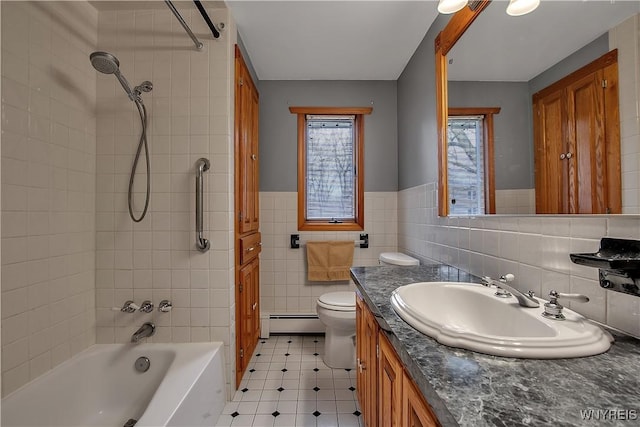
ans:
(397, 258)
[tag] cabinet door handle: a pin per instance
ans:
(563, 156)
(254, 157)
(255, 304)
(250, 249)
(569, 155)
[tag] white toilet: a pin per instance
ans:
(337, 312)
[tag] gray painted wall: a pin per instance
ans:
(278, 128)
(417, 131)
(513, 139)
(576, 60)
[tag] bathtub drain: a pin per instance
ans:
(142, 364)
(130, 423)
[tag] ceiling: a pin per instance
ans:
(331, 40)
(498, 47)
(374, 40)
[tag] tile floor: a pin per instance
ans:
(287, 384)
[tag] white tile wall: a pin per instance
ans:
(519, 201)
(48, 186)
(190, 116)
(534, 248)
(626, 38)
(284, 287)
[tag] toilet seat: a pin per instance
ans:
(338, 301)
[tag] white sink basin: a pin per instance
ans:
(469, 315)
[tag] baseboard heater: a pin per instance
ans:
(298, 323)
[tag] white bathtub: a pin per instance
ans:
(184, 386)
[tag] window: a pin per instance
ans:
(330, 168)
(470, 161)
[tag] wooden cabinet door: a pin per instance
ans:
(248, 311)
(586, 144)
(360, 351)
(577, 142)
(247, 170)
(390, 374)
(415, 411)
(550, 170)
(366, 348)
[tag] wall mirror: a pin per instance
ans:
(488, 60)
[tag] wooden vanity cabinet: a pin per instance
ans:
(367, 362)
(387, 395)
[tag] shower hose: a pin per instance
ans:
(143, 142)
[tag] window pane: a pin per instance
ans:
(330, 168)
(465, 155)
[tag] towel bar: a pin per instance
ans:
(295, 242)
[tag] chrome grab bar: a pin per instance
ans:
(202, 165)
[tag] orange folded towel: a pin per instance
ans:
(329, 261)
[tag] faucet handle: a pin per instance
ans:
(128, 307)
(553, 309)
(553, 296)
(165, 306)
(507, 278)
(146, 307)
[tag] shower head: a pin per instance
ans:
(106, 63)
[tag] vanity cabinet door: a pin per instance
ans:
(366, 352)
(390, 373)
(415, 411)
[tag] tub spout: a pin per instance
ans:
(146, 330)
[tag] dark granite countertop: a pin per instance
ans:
(472, 389)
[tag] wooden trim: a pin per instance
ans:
(473, 111)
(302, 170)
(489, 152)
(605, 60)
(358, 223)
(331, 110)
(612, 138)
(457, 25)
(445, 40)
(442, 120)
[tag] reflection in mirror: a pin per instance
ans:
(502, 61)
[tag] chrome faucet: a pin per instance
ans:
(146, 330)
(505, 290)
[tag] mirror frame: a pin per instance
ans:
(445, 40)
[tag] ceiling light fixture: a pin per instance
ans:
(515, 8)
(522, 7)
(451, 6)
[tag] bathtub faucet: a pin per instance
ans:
(146, 330)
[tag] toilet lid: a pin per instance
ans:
(343, 301)
(398, 258)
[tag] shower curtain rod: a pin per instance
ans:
(206, 18)
(182, 22)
